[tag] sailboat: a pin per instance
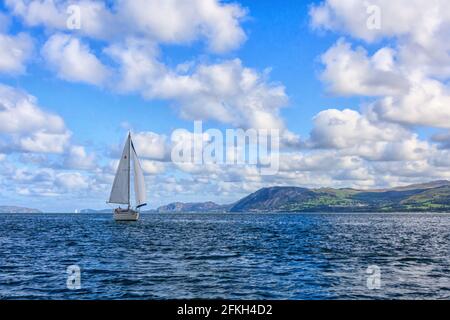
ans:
(120, 192)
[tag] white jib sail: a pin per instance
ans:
(139, 183)
(120, 192)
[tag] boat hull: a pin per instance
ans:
(126, 215)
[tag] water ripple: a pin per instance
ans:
(236, 256)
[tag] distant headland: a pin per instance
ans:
(14, 209)
(426, 197)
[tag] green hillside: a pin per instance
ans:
(434, 196)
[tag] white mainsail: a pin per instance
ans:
(139, 183)
(120, 192)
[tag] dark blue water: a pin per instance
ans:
(238, 256)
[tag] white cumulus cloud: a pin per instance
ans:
(73, 60)
(15, 51)
(25, 126)
(173, 22)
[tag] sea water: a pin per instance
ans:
(235, 256)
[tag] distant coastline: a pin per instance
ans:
(15, 209)
(427, 197)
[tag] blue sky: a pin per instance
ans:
(279, 39)
(348, 98)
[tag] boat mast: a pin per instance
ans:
(129, 168)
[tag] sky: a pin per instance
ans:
(359, 91)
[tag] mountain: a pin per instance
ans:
(426, 185)
(193, 207)
(432, 196)
(426, 197)
(176, 207)
(269, 199)
(13, 209)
